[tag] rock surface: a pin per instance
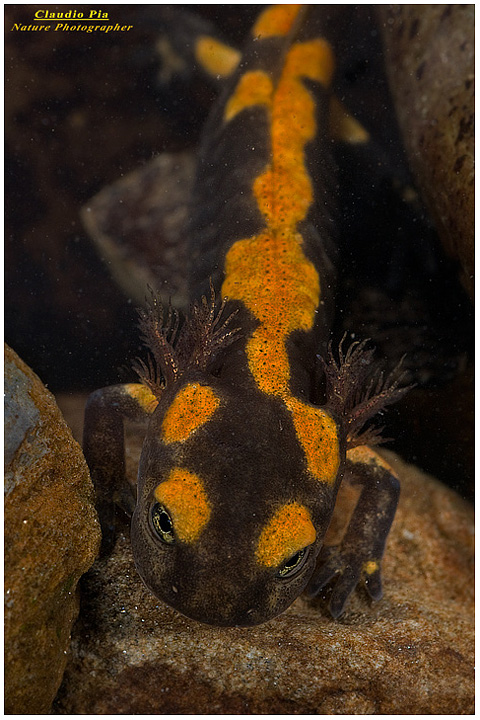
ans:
(51, 539)
(411, 653)
(139, 227)
(429, 51)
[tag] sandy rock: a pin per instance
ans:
(429, 52)
(410, 653)
(51, 539)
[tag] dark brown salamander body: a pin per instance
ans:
(241, 464)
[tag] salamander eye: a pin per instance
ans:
(162, 524)
(294, 563)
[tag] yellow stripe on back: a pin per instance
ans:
(269, 272)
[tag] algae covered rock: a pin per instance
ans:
(51, 538)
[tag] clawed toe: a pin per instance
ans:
(344, 570)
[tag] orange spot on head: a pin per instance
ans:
(276, 20)
(288, 531)
(184, 496)
(191, 408)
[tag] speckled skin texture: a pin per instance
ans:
(411, 653)
(52, 536)
(429, 52)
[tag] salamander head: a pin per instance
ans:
(229, 520)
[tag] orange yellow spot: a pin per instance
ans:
(290, 530)
(367, 456)
(184, 496)
(276, 20)
(144, 397)
(216, 57)
(280, 286)
(318, 436)
(191, 408)
(370, 567)
(254, 88)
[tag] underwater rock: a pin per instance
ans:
(411, 653)
(139, 227)
(429, 52)
(51, 538)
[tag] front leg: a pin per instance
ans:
(360, 553)
(104, 448)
